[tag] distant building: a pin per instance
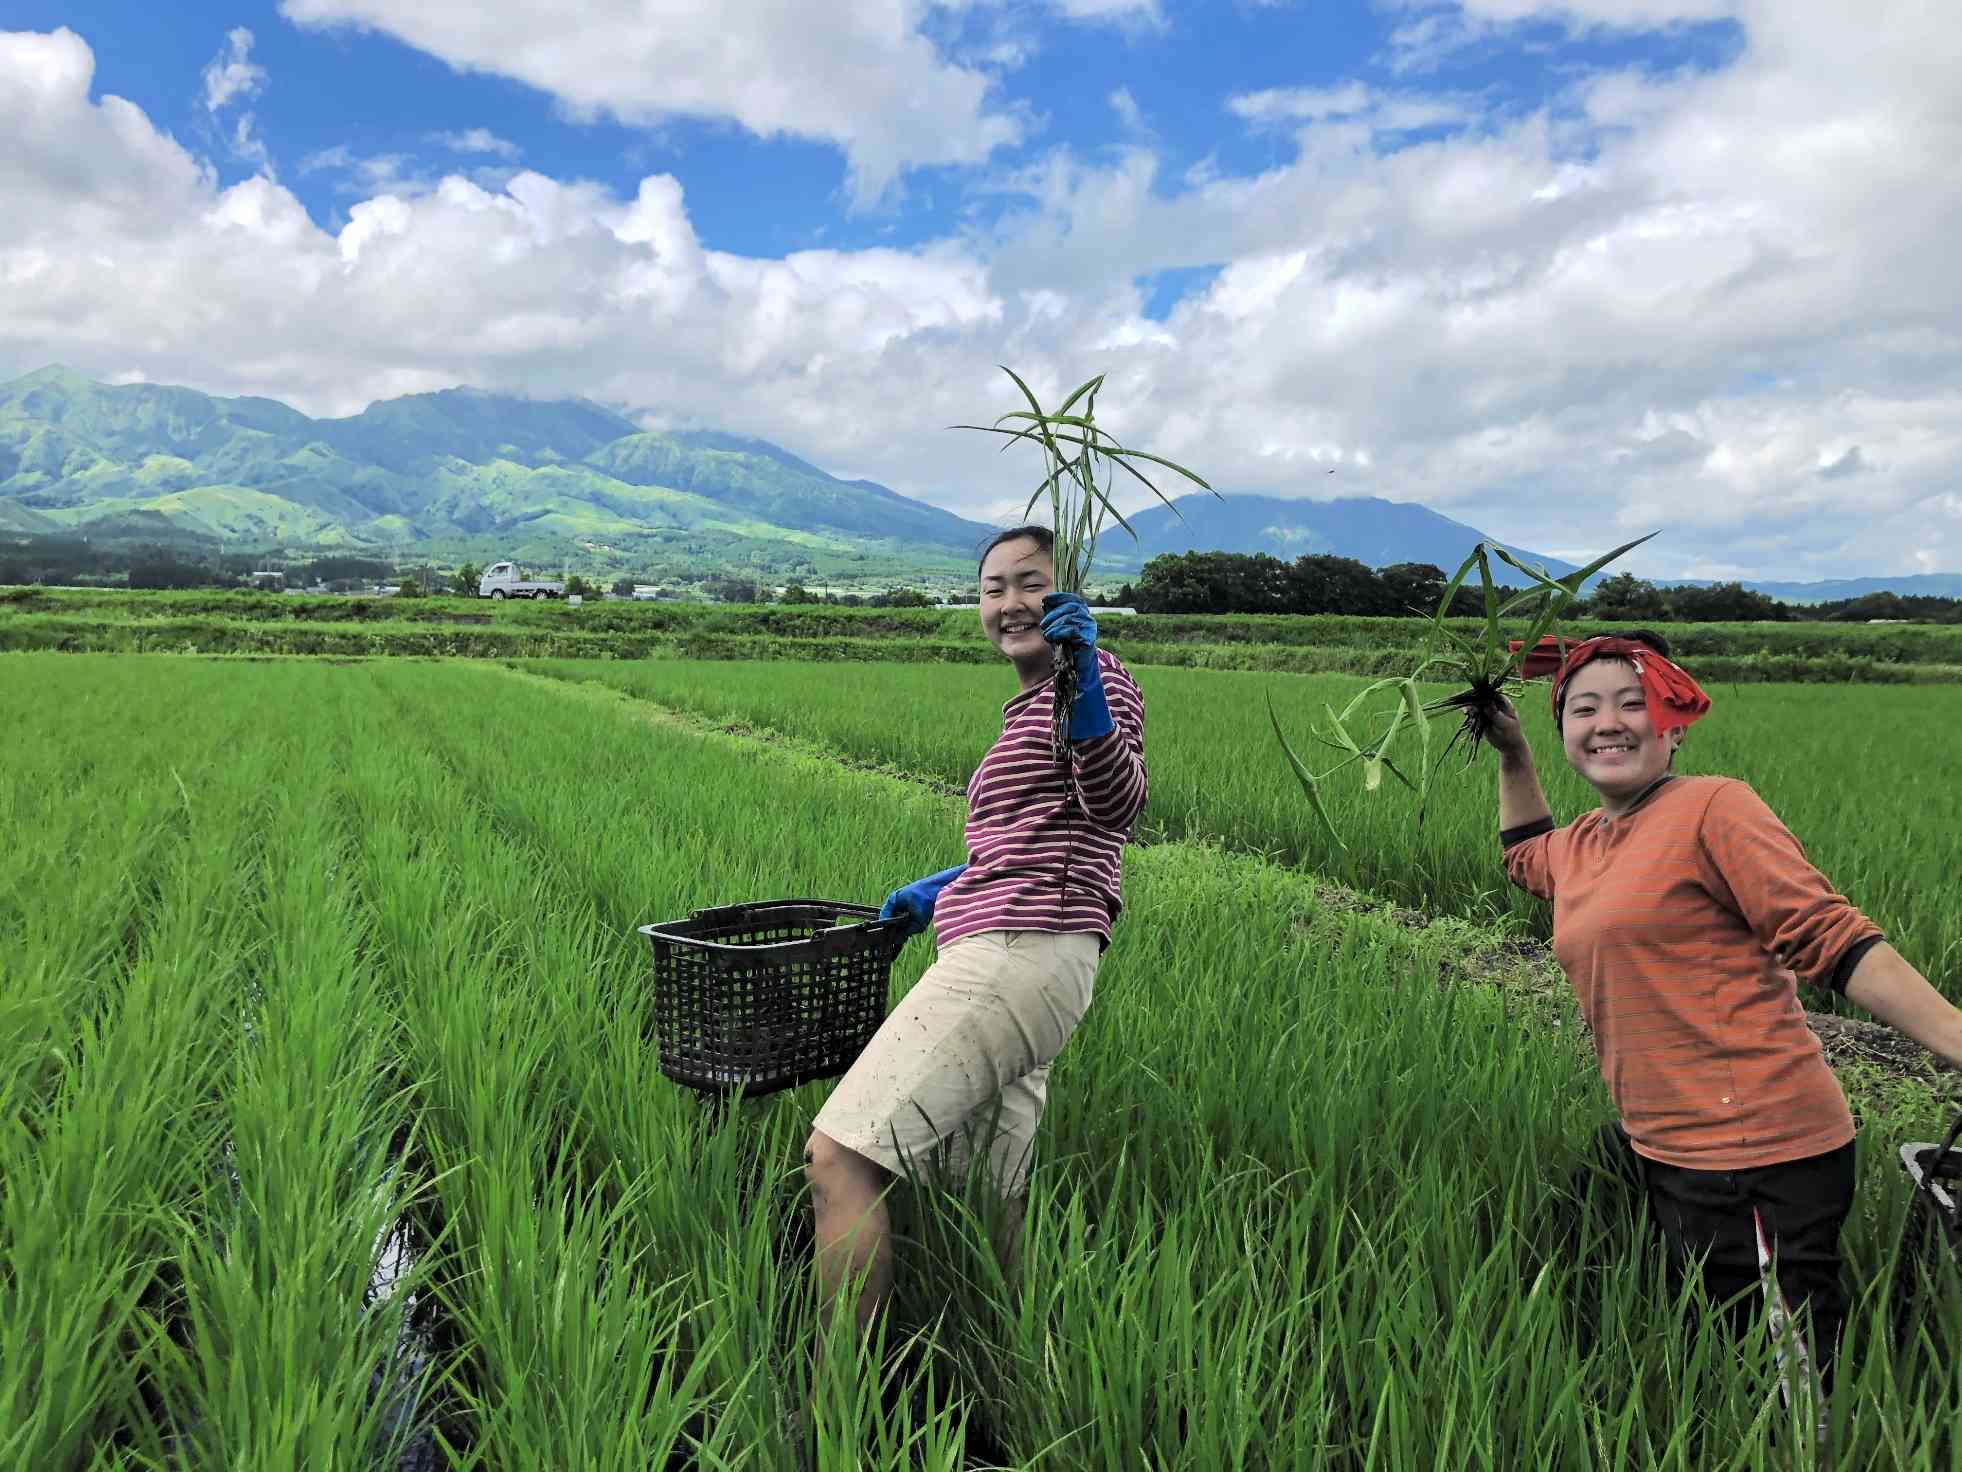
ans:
(269, 582)
(1095, 608)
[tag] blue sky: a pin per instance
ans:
(1568, 270)
(340, 86)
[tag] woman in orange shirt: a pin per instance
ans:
(1684, 912)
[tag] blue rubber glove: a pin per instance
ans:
(915, 901)
(1066, 621)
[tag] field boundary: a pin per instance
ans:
(206, 622)
(1520, 967)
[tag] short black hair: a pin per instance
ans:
(1649, 637)
(1042, 536)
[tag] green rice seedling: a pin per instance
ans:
(1078, 505)
(1777, 737)
(590, 1119)
(279, 1342)
(1482, 664)
(120, 1135)
(1301, 1198)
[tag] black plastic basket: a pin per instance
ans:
(767, 996)
(1931, 1242)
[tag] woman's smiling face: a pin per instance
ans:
(1014, 577)
(1608, 736)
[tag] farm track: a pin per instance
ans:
(1518, 965)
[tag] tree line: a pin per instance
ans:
(1241, 582)
(1186, 582)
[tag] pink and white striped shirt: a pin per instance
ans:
(1025, 825)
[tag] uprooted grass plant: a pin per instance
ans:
(1078, 505)
(1482, 665)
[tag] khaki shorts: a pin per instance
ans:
(963, 1060)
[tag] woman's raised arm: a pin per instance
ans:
(1522, 803)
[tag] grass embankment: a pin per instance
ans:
(72, 620)
(1852, 772)
(1299, 1204)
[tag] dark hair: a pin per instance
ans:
(1649, 637)
(1042, 536)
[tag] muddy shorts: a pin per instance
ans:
(962, 1063)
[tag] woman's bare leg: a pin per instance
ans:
(854, 1229)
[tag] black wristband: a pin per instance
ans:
(1849, 960)
(1510, 836)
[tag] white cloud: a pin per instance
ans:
(1300, 104)
(1124, 12)
(858, 75)
(1617, 15)
(477, 140)
(1442, 30)
(340, 156)
(1738, 296)
(1129, 115)
(232, 73)
(1366, 109)
(231, 77)
(244, 143)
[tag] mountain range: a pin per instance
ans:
(458, 472)
(466, 473)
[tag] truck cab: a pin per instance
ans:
(505, 580)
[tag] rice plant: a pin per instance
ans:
(1890, 846)
(1077, 503)
(1296, 1203)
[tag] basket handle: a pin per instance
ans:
(1934, 1166)
(863, 912)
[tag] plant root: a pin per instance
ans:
(1478, 701)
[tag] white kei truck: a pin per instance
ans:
(502, 580)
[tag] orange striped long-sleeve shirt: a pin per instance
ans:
(1683, 925)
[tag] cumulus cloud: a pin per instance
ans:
(543, 285)
(861, 76)
(1691, 324)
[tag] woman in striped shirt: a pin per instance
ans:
(961, 1065)
(1684, 913)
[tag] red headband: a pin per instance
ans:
(1673, 698)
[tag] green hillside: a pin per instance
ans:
(457, 473)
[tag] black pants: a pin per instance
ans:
(1706, 1216)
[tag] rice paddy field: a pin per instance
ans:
(332, 1133)
(1854, 772)
(236, 621)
